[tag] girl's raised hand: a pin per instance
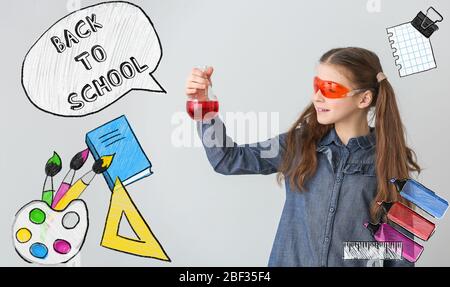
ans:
(197, 83)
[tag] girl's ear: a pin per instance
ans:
(365, 99)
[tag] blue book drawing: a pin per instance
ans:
(130, 163)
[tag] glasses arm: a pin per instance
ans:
(358, 91)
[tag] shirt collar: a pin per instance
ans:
(364, 142)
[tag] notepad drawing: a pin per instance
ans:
(411, 45)
(413, 51)
(130, 163)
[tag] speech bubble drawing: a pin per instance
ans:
(91, 58)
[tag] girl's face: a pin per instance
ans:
(332, 111)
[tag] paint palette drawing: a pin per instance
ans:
(45, 236)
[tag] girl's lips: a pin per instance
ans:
(320, 110)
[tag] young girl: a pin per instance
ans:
(334, 165)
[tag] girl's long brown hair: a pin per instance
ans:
(393, 157)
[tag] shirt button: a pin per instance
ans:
(327, 238)
(331, 209)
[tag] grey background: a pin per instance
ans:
(264, 53)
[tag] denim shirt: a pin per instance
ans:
(314, 224)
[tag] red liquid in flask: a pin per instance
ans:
(202, 110)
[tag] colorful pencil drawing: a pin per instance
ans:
(122, 207)
(411, 45)
(75, 191)
(76, 163)
(44, 236)
(52, 168)
(85, 64)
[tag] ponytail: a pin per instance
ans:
(394, 158)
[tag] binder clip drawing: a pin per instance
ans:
(424, 24)
(411, 45)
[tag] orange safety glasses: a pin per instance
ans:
(333, 90)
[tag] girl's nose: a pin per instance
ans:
(318, 97)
